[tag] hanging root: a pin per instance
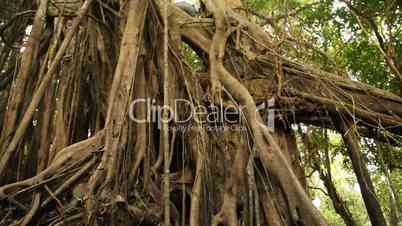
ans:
(268, 149)
(66, 158)
(228, 211)
(98, 167)
(120, 95)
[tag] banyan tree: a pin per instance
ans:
(92, 132)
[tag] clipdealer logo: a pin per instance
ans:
(219, 116)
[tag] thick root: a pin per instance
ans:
(68, 156)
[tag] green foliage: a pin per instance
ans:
(344, 177)
(330, 26)
(348, 189)
(191, 57)
(261, 5)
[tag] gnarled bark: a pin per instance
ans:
(104, 169)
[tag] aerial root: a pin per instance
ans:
(61, 221)
(269, 150)
(32, 212)
(228, 213)
(65, 161)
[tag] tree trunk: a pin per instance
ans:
(351, 140)
(96, 165)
